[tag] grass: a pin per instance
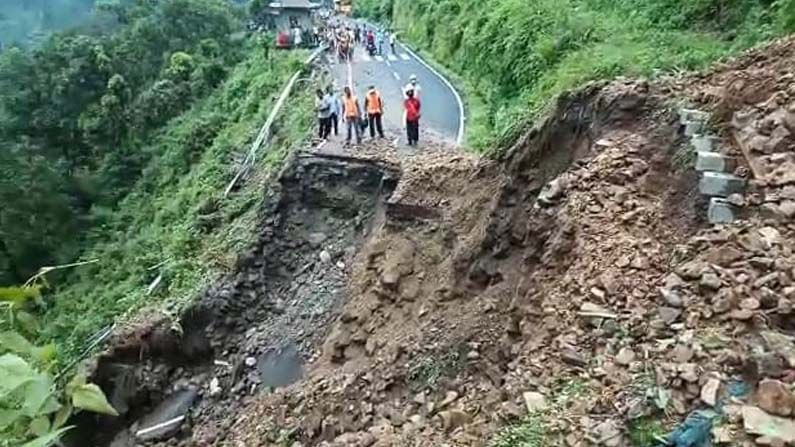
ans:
(530, 432)
(515, 56)
(534, 430)
(430, 371)
(176, 217)
(646, 432)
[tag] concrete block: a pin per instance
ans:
(720, 184)
(720, 211)
(689, 115)
(693, 128)
(704, 143)
(713, 161)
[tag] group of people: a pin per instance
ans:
(332, 108)
(344, 39)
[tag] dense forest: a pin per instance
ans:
(513, 56)
(116, 146)
(75, 112)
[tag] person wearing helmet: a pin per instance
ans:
(412, 85)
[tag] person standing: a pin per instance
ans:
(297, 37)
(380, 39)
(374, 106)
(336, 110)
(323, 106)
(414, 86)
(353, 115)
(412, 106)
(392, 42)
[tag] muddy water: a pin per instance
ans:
(280, 367)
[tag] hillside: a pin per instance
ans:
(607, 261)
(571, 293)
(116, 150)
(512, 57)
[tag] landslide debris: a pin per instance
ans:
(569, 293)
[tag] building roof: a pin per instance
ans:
(296, 4)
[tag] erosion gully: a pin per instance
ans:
(254, 329)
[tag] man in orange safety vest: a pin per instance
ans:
(374, 106)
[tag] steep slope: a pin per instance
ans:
(569, 293)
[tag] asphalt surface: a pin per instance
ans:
(389, 73)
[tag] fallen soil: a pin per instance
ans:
(434, 299)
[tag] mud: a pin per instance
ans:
(253, 330)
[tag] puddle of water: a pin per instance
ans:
(280, 367)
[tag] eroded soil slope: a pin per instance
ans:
(575, 279)
(571, 289)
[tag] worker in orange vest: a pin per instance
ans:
(352, 115)
(374, 106)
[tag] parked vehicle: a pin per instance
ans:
(283, 40)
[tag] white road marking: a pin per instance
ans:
(404, 56)
(379, 58)
(392, 57)
(397, 76)
(366, 58)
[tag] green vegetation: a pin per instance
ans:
(117, 147)
(76, 112)
(646, 432)
(33, 406)
(429, 372)
(176, 214)
(514, 56)
(530, 432)
(534, 429)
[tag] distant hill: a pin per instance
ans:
(23, 22)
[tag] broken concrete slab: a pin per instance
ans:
(720, 184)
(165, 420)
(704, 143)
(693, 128)
(720, 211)
(713, 161)
(690, 115)
(757, 422)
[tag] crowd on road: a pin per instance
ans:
(342, 40)
(334, 107)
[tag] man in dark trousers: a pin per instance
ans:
(374, 106)
(412, 106)
(352, 114)
(323, 107)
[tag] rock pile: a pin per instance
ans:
(569, 294)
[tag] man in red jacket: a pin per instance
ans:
(412, 106)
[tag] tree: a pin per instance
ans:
(74, 110)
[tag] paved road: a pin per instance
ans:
(441, 113)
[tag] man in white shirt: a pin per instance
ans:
(412, 85)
